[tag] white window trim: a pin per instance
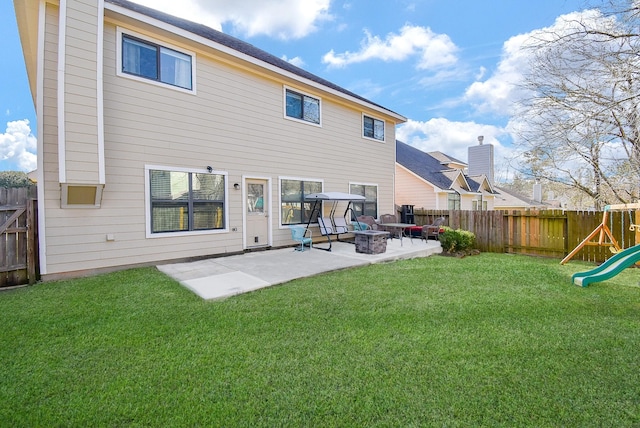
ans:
(287, 226)
(147, 201)
(384, 133)
(295, 119)
(357, 183)
(120, 31)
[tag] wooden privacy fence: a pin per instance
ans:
(18, 236)
(549, 233)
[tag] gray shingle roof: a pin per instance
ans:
(444, 158)
(423, 164)
(238, 45)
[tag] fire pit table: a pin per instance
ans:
(371, 241)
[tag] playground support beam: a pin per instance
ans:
(603, 230)
(629, 207)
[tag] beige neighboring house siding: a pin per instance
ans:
(466, 201)
(234, 122)
(413, 190)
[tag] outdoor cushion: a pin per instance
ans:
(415, 231)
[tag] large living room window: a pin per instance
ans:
(373, 128)
(370, 205)
(302, 107)
(183, 201)
(148, 60)
(295, 210)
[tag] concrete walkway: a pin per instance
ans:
(222, 277)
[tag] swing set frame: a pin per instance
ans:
(603, 230)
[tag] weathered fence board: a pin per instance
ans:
(548, 233)
(18, 236)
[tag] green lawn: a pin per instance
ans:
(488, 340)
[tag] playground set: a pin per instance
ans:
(622, 258)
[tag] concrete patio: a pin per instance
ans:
(222, 277)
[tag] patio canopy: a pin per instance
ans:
(333, 196)
(329, 223)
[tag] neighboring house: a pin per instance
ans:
(510, 200)
(437, 181)
(161, 139)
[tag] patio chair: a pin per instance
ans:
(389, 218)
(366, 219)
(433, 230)
(359, 226)
(298, 234)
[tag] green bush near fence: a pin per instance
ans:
(457, 240)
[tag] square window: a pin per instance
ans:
(370, 205)
(303, 107)
(373, 128)
(186, 201)
(295, 210)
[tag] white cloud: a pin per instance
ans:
(500, 92)
(433, 50)
(297, 61)
(285, 19)
(454, 139)
(18, 145)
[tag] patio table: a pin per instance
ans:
(399, 227)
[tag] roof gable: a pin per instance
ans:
(459, 181)
(480, 183)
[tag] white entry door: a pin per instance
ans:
(257, 214)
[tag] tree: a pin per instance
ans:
(14, 179)
(581, 124)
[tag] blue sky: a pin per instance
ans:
(446, 65)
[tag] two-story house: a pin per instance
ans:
(161, 139)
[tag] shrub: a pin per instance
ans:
(11, 179)
(453, 241)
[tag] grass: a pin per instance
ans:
(488, 340)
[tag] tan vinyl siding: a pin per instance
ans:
(234, 122)
(81, 111)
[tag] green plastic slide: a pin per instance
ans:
(610, 268)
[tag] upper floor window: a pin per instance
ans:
(302, 107)
(373, 128)
(158, 63)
